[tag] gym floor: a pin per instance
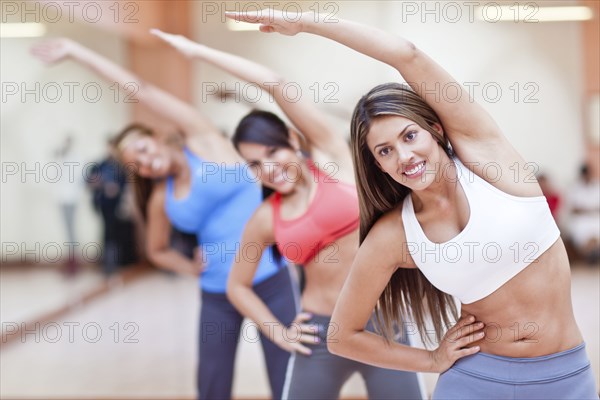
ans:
(134, 336)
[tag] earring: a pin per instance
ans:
(299, 153)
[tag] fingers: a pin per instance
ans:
(299, 348)
(467, 340)
(266, 29)
(167, 37)
(296, 339)
(302, 317)
(464, 326)
(253, 17)
(463, 321)
(157, 32)
(41, 49)
(178, 42)
(307, 338)
(466, 352)
(302, 332)
(50, 51)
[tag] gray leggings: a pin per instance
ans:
(564, 375)
(322, 374)
(220, 326)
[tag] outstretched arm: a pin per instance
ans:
(163, 103)
(302, 113)
(475, 136)
(462, 119)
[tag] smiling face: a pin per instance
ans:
(405, 151)
(151, 158)
(278, 168)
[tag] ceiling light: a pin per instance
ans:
(532, 13)
(22, 30)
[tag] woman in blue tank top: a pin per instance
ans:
(436, 223)
(199, 184)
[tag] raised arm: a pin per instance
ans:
(247, 302)
(377, 259)
(182, 114)
(302, 113)
(462, 119)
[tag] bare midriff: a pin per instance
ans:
(531, 315)
(326, 272)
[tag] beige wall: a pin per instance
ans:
(33, 128)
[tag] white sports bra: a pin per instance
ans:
(504, 234)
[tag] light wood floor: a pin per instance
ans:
(136, 338)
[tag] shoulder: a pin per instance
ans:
(214, 147)
(339, 167)
(156, 203)
(260, 224)
(500, 165)
(159, 194)
(389, 227)
(387, 241)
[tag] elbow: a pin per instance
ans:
(408, 50)
(142, 91)
(233, 291)
(333, 347)
(230, 291)
(277, 79)
(154, 255)
(336, 342)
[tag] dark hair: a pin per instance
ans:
(262, 127)
(142, 186)
(408, 292)
(266, 128)
(584, 171)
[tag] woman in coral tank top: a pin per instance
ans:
(313, 218)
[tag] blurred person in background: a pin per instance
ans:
(68, 192)
(551, 194)
(583, 221)
(111, 196)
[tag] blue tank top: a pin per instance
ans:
(221, 200)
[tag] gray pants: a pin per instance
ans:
(322, 374)
(220, 327)
(564, 375)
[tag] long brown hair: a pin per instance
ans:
(408, 292)
(142, 186)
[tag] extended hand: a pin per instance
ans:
(270, 20)
(53, 50)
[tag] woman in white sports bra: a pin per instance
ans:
(449, 207)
